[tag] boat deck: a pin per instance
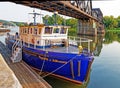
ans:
(27, 77)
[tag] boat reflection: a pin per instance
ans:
(60, 83)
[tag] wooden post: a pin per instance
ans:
(79, 67)
(72, 69)
(88, 71)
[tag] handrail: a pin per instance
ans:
(76, 40)
(72, 40)
(14, 46)
(17, 41)
(17, 55)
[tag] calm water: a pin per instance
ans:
(105, 70)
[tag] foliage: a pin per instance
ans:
(72, 22)
(13, 23)
(50, 20)
(20, 23)
(118, 20)
(6, 22)
(111, 23)
(72, 32)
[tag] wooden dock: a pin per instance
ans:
(27, 77)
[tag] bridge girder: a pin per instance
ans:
(80, 9)
(84, 5)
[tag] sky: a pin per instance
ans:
(16, 12)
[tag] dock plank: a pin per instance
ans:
(25, 74)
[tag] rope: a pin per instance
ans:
(43, 64)
(60, 66)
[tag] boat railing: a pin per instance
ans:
(17, 43)
(71, 40)
(77, 41)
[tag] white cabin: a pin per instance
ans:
(41, 35)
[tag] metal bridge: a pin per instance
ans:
(89, 19)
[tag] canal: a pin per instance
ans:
(105, 70)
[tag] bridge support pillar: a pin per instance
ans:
(87, 27)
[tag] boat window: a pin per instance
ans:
(25, 30)
(48, 30)
(28, 30)
(31, 31)
(63, 31)
(40, 30)
(35, 30)
(56, 30)
(21, 31)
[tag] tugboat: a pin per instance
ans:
(49, 49)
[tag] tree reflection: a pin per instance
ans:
(111, 36)
(98, 41)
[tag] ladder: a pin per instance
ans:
(16, 51)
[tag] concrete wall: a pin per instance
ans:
(7, 77)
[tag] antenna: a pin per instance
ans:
(34, 16)
(64, 16)
(55, 14)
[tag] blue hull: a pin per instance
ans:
(72, 67)
(66, 65)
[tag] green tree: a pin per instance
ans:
(111, 23)
(114, 23)
(118, 20)
(73, 24)
(108, 21)
(50, 20)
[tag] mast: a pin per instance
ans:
(34, 16)
(55, 16)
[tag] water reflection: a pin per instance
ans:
(111, 36)
(60, 83)
(105, 69)
(96, 44)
